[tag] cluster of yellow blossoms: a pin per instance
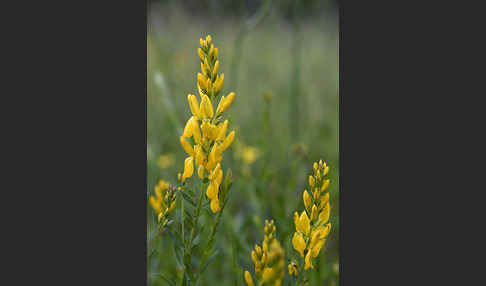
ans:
(209, 144)
(312, 226)
(164, 201)
(268, 259)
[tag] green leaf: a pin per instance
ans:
(188, 199)
(203, 268)
(171, 281)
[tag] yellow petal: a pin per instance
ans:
(268, 274)
(311, 181)
(188, 168)
(296, 218)
(215, 206)
(222, 130)
(187, 147)
(303, 225)
(200, 53)
(325, 185)
(248, 279)
(206, 108)
(299, 243)
(307, 200)
(202, 81)
(314, 213)
(156, 204)
(325, 213)
(215, 69)
(308, 261)
(199, 156)
(211, 191)
(228, 140)
(324, 199)
(189, 128)
(193, 104)
(200, 172)
(326, 170)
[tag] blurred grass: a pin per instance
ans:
(272, 186)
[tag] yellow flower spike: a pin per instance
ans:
(200, 171)
(222, 127)
(311, 181)
(325, 213)
(200, 53)
(325, 185)
(160, 216)
(187, 146)
(215, 53)
(314, 212)
(202, 81)
(320, 162)
(193, 105)
(307, 200)
(299, 243)
(188, 168)
(208, 39)
(202, 42)
(228, 140)
(316, 194)
(206, 108)
(303, 225)
(215, 207)
(308, 261)
(248, 279)
(315, 166)
(215, 69)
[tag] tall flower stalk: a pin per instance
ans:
(205, 138)
(312, 226)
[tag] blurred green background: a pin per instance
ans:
(281, 59)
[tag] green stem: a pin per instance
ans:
(300, 273)
(198, 211)
(208, 246)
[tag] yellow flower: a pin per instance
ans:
(166, 161)
(293, 269)
(187, 147)
(307, 200)
(311, 233)
(193, 105)
(206, 108)
(188, 168)
(299, 243)
(303, 225)
(248, 279)
(224, 103)
(164, 201)
(325, 213)
(269, 260)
